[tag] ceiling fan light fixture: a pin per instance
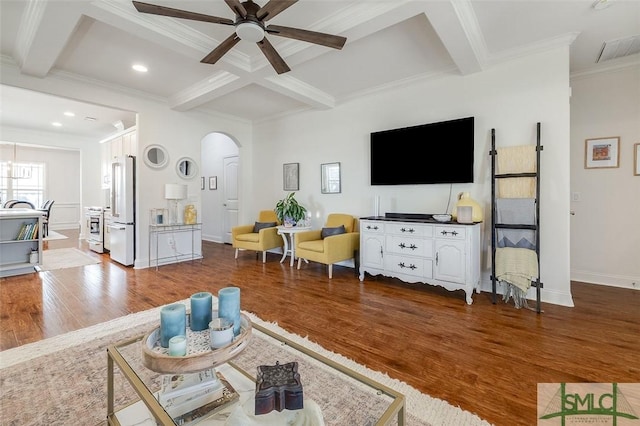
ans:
(250, 31)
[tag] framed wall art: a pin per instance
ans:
(213, 182)
(291, 176)
(602, 153)
(330, 178)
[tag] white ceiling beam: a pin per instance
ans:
(299, 90)
(218, 84)
(455, 23)
(43, 34)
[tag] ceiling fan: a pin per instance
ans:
(250, 26)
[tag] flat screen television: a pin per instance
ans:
(431, 153)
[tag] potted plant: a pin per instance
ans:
(289, 211)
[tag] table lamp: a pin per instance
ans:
(174, 192)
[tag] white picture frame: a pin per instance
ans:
(291, 176)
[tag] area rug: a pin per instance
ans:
(65, 258)
(67, 376)
(53, 235)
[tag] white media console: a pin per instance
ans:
(416, 248)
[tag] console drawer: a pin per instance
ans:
(451, 232)
(414, 266)
(372, 227)
(410, 229)
(399, 244)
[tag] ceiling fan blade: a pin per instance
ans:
(272, 8)
(329, 40)
(237, 7)
(273, 57)
(219, 51)
(177, 13)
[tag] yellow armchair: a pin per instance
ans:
(243, 237)
(332, 249)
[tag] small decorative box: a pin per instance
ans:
(278, 387)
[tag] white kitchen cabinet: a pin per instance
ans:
(124, 144)
(115, 145)
(422, 251)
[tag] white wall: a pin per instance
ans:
(511, 98)
(605, 236)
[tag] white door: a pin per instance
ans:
(230, 196)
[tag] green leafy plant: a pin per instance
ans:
(289, 210)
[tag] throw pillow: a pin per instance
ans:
(261, 225)
(327, 232)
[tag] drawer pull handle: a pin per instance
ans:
(410, 246)
(454, 233)
(411, 265)
(375, 228)
(410, 230)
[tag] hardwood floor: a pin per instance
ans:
(485, 358)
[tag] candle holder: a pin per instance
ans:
(220, 332)
(178, 346)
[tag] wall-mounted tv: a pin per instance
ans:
(439, 152)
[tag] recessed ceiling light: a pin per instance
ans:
(56, 124)
(69, 114)
(139, 68)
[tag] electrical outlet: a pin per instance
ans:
(576, 196)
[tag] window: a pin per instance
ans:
(22, 181)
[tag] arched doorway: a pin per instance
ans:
(220, 156)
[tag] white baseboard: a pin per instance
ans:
(621, 281)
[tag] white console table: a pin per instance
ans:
(156, 230)
(424, 251)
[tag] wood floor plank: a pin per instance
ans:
(485, 358)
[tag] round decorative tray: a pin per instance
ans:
(199, 356)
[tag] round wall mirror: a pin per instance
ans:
(155, 156)
(186, 168)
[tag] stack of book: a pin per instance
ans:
(28, 231)
(189, 398)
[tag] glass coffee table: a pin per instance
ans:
(344, 396)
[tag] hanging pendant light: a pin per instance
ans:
(15, 172)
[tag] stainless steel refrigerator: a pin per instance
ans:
(123, 210)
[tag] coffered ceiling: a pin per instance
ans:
(389, 42)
